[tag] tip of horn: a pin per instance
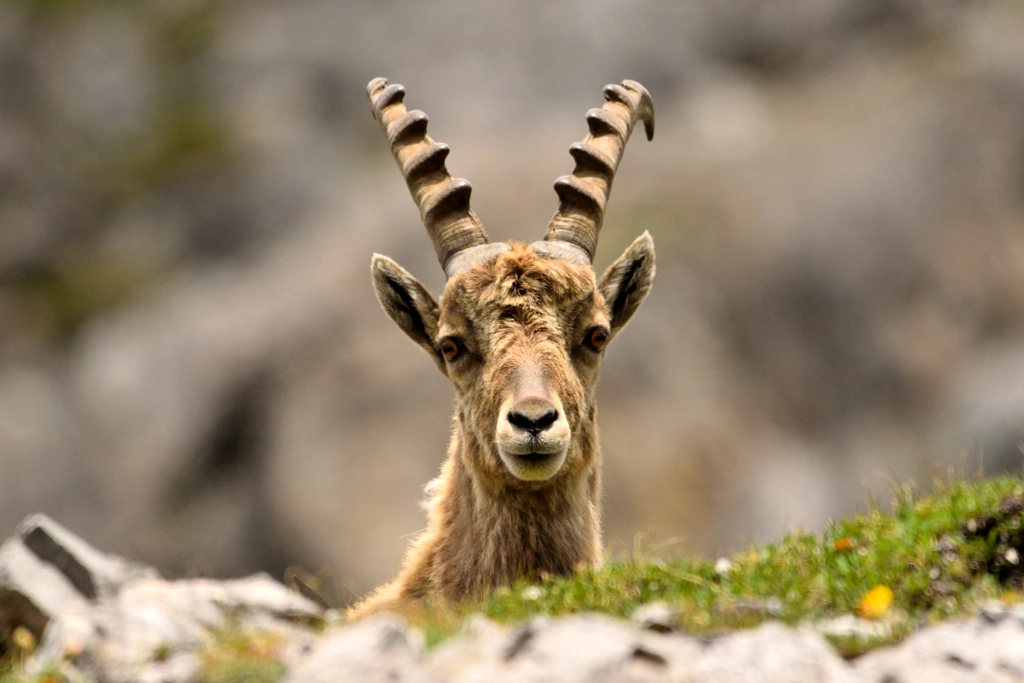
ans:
(645, 110)
(649, 126)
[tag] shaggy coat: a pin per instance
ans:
(521, 337)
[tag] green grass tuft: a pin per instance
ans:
(237, 655)
(12, 672)
(940, 555)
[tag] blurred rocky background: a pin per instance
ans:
(193, 368)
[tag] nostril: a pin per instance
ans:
(547, 419)
(533, 424)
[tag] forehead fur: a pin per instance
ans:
(522, 277)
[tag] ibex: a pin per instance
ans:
(520, 331)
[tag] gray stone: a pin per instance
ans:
(656, 616)
(855, 629)
(92, 572)
(577, 648)
(32, 592)
(480, 641)
(769, 653)
(104, 618)
(47, 573)
(953, 652)
(261, 593)
(154, 629)
(180, 667)
(376, 650)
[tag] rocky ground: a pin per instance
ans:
(72, 611)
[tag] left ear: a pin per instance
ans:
(408, 304)
(627, 282)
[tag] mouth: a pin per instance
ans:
(536, 457)
(531, 465)
(533, 454)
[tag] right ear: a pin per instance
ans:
(627, 282)
(408, 304)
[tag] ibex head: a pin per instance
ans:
(520, 330)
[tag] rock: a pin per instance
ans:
(480, 640)
(771, 652)
(656, 616)
(575, 648)
(155, 629)
(977, 650)
(92, 573)
(32, 592)
(260, 593)
(46, 572)
(855, 629)
(376, 650)
(113, 620)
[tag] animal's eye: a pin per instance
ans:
(450, 349)
(596, 338)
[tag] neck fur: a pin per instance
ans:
(486, 532)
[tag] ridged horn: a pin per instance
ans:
(584, 194)
(443, 201)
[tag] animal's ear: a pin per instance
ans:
(627, 282)
(408, 304)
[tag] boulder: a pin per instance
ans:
(988, 648)
(379, 649)
(114, 620)
(575, 648)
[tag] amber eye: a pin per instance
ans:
(449, 349)
(596, 338)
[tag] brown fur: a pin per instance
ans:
(522, 320)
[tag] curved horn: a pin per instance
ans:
(443, 201)
(584, 194)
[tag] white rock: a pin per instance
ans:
(768, 654)
(32, 591)
(978, 650)
(576, 648)
(376, 650)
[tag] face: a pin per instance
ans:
(521, 340)
(521, 337)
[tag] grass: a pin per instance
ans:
(237, 655)
(939, 555)
(12, 673)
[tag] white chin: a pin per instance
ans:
(533, 468)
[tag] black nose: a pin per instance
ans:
(535, 424)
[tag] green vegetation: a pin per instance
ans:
(14, 648)
(237, 655)
(939, 555)
(10, 672)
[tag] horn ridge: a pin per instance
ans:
(423, 161)
(443, 201)
(411, 126)
(591, 157)
(603, 122)
(583, 195)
